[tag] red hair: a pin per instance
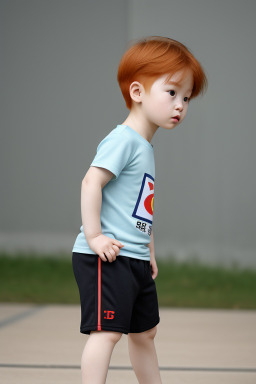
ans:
(153, 57)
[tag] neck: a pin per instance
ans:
(137, 121)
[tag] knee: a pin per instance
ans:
(151, 333)
(113, 337)
(105, 336)
(143, 336)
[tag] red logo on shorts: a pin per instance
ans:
(109, 315)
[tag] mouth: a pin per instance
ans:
(177, 118)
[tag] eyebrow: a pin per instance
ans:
(172, 83)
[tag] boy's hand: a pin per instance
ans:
(154, 269)
(106, 247)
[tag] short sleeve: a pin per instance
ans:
(113, 153)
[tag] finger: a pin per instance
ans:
(116, 249)
(118, 243)
(103, 257)
(154, 271)
(113, 252)
(154, 275)
(109, 256)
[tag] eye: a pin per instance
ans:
(186, 99)
(172, 92)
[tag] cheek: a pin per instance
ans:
(165, 106)
(161, 102)
(160, 109)
(158, 105)
(153, 104)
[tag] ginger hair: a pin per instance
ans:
(155, 56)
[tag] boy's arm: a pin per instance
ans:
(91, 199)
(152, 256)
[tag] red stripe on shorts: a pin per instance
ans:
(99, 295)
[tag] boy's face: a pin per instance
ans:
(166, 104)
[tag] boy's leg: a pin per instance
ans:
(143, 356)
(96, 356)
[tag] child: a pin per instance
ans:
(114, 256)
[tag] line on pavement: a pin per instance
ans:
(20, 316)
(127, 368)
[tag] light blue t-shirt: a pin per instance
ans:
(127, 199)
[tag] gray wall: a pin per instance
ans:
(61, 97)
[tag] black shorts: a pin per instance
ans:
(119, 296)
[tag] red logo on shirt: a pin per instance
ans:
(148, 202)
(144, 206)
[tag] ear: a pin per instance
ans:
(136, 91)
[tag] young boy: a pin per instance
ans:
(114, 256)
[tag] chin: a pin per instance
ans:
(169, 126)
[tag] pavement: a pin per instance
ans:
(43, 345)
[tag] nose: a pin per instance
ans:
(179, 105)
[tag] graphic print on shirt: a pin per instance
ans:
(144, 206)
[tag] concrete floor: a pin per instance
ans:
(42, 344)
